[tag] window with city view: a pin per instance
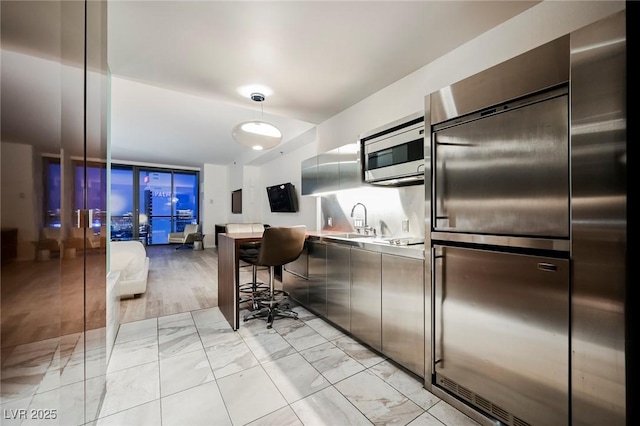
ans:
(52, 192)
(167, 199)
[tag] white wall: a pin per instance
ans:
(283, 169)
(216, 200)
(235, 179)
(251, 186)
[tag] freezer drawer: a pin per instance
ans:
(506, 173)
(501, 337)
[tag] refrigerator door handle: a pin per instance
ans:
(437, 255)
(549, 267)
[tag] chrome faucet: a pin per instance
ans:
(366, 226)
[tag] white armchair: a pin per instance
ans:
(188, 236)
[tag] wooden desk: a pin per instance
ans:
(228, 274)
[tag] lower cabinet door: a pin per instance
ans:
(403, 311)
(366, 297)
(338, 285)
(318, 277)
(294, 278)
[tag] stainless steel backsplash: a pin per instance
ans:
(387, 208)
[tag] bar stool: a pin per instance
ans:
(249, 291)
(279, 246)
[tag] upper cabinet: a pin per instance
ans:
(332, 171)
(328, 171)
(309, 176)
(350, 171)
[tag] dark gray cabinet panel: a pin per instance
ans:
(403, 311)
(317, 277)
(338, 285)
(366, 297)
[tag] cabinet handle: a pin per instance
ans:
(549, 267)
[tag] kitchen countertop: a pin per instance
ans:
(370, 243)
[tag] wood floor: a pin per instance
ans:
(42, 300)
(179, 281)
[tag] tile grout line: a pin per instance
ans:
(212, 373)
(322, 375)
(267, 374)
(383, 359)
(159, 373)
(344, 378)
(295, 351)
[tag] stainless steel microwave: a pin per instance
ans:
(394, 154)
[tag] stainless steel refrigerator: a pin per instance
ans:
(500, 265)
(507, 161)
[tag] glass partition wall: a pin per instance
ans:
(53, 283)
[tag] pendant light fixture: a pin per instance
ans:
(257, 134)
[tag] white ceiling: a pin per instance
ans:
(177, 66)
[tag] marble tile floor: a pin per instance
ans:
(47, 377)
(191, 369)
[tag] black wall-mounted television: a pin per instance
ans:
(236, 201)
(283, 198)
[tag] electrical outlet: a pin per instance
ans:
(405, 225)
(330, 221)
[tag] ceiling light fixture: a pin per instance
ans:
(257, 134)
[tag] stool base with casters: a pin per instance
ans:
(279, 246)
(254, 290)
(269, 308)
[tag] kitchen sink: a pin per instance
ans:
(397, 241)
(350, 236)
